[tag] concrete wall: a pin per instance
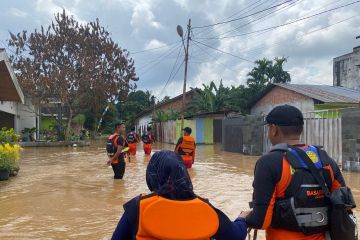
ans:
(279, 96)
(24, 115)
(346, 70)
(8, 107)
(27, 116)
(351, 139)
(243, 134)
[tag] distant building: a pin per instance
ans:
(175, 104)
(346, 70)
(305, 97)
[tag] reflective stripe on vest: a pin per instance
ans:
(187, 146)
(161, 218)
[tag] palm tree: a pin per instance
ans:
(209, 99)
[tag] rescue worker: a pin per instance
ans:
(288, 202)
(173, 210)
(147, 139)
(115, 147)
(132, 139)
(186, 147)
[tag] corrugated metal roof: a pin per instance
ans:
(325, 93)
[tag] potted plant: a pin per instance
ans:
(5, 166)
(9, 153)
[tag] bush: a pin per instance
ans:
(9, 156)
(8, 135)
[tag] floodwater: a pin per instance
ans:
(69, 193)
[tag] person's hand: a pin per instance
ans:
(244, 214)
(109, 162)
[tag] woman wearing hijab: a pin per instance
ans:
(172, 210)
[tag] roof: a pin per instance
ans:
(10, 88)
(207, 114)
(322, 93)
(355, 49)
(162, 104)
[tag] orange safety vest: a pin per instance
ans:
(162, 218)
(186, 147)
(114, 138)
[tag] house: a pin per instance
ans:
(174, 104)
(346, 70)
(305, 97)
(16, 110)
(206, 128)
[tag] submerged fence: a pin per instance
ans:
(321, 128)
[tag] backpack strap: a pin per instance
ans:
(314, 171)
(324, 158)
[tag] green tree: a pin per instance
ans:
(238, 99)
(209, 99)
(135, 103)
(266, 72)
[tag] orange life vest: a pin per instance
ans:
(161, 218)
(187, 146)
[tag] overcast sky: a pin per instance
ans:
(138, 25)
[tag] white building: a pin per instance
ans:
(16, 110)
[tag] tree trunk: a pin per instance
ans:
(68, 125)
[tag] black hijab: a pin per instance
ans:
(167, 175)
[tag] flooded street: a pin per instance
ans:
(69, 193)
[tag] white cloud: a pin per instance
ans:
(143, 17)
(154, 43)
(17, 12)
(50, 8)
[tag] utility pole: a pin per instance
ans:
(186, 48)
(359, 79)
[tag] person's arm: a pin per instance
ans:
(193, 156)
(338, 178)
(268, 172)
(123, 229)
(127, 226)
(178, 143)
(229, 230)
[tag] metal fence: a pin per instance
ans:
(321, 128)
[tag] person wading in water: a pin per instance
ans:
(115, 146)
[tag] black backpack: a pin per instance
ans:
(343, 224)
(110, 144)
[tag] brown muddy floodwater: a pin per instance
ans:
(69, 193)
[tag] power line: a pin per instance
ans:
(151, 49)
(259, 47)
(171, 72)
(156, 61)
(285, 24)
(219, 50)
(173, 77)
(272, 13)
(203, 50)
(239, 18)
(276, 12)
(237, 13)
